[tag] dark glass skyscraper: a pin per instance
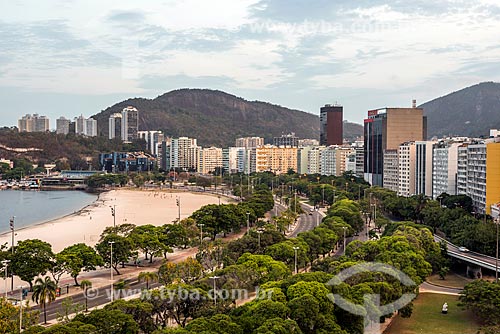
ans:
(385, 129)
(331, 125)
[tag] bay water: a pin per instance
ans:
(33, 207)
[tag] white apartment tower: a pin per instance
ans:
(391, 170)
(62, 125)
(130, 124)
(152, 138)
(445, 168)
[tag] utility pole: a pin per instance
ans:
(201, 232)
(248, 223)
(21, 309)
(5, 263)
(344, 228)
(12, 229)
(178, 200)
(295, 249)
(111, 270)
(113, 213)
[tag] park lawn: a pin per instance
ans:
(427, 317)
(452, 280)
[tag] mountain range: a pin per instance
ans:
(218, 118)
(470, 112)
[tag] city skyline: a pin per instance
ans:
(59, 56)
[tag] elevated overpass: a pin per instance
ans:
(477, 259)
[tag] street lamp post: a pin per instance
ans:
(178, 200)
(344, 228)
(374, 212)
(201, 232)
(5, 263)
(113, 213)
(259, 232)
(323, 195)
(215, 289)
(21, 308)
(248, 222)
(111, 269)
(12, 229)
(295, 249)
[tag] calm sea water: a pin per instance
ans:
(32, 207)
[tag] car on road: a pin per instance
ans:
(463, 249)
(311, 212)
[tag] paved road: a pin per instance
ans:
(307, 221)
(426, 287)
(482, 260)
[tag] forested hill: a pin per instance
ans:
(217, 118)
(471, 112)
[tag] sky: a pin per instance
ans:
(72, 57)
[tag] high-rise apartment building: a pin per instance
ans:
(62, 125)
(423, 167)
(85, 126)
(91, 127)
(274, 159)
(210, 160)
(302, 158)
(249, 142)
(130, 124)
(152, 138)
(80, 125)
(115, 126)
(360, 159)
(314, 160)
(391, 170)
(331, 125)
(33, 123)
(386, 129)
(333, 160)
(445, 167)
(286, 140)
(462, 169)
(182, 153)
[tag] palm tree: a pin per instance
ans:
(120, 286)
(85, 285)
(148, 276)
(44, 292)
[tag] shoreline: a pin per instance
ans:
(139, 207)
(75, 213)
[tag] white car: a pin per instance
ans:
(463, 249)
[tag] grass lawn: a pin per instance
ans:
(452, 280)
(428, 319)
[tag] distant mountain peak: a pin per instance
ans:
(471, 111)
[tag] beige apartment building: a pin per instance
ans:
(275, 159)
(210, 159)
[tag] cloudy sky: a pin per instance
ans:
(72, 57)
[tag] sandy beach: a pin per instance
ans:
(132, 206)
